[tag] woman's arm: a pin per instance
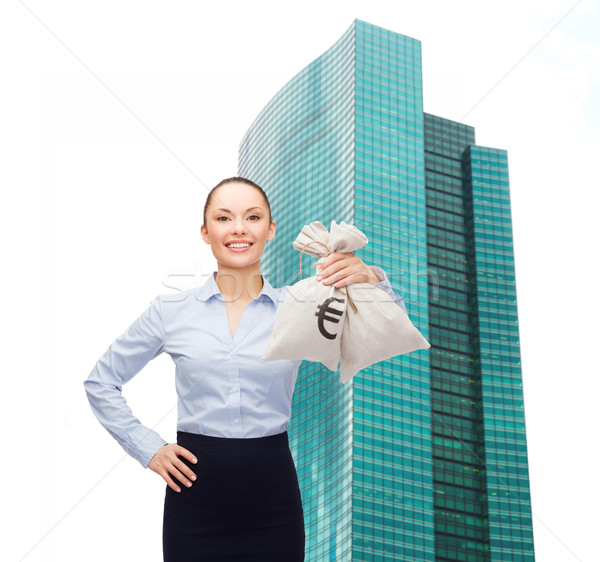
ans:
(124, 358)
(386, 286)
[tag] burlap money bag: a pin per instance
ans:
(310, 319)
(309, 324)
(380, 329)
(359, 324)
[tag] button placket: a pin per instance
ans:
(235, 408)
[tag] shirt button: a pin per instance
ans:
(234, 388)
(236, 420)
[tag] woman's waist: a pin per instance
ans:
(201, 443)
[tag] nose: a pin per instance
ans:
(238, 226)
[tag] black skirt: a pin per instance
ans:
(244, 505)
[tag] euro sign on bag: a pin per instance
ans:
(357, 325)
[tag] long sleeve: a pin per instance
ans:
(386, 286)
(124, 358)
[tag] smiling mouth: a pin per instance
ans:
(238, 245)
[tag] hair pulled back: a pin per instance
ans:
(236, 179)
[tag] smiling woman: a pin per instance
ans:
(232, 488)
(237, 225)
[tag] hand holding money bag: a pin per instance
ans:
(358, 325)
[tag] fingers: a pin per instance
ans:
(167, 464)
(335, 277)
(182, 452)
(177, 474)
(341, 274)
(170, 482)
(178, 468)
(341, 280)
(337, 266)
(328, 267)
(185, 469)
(336, 257)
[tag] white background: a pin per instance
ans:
(115, 116)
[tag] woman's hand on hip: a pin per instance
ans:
(166, 463)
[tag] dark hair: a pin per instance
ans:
(236, 179)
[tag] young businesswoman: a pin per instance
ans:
(232, 489)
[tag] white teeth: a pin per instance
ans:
(245, 245)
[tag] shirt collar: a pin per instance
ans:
(211, 289)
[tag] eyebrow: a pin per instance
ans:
(228, 211)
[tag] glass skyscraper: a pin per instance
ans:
(423, 456)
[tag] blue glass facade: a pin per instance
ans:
(392, 465)
(392, 500)
(498, 360)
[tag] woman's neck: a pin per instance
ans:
(239, 284)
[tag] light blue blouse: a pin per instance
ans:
(224, 387)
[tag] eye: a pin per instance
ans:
(223, 217)
(255, 217)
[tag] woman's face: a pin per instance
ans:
(237, 215)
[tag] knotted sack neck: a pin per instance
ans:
(341, 290)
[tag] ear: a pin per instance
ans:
(271, 231)
(205, 235)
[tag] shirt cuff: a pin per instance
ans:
(382, 276)
(386, 286)
(146, 443)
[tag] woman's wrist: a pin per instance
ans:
(373, 277)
